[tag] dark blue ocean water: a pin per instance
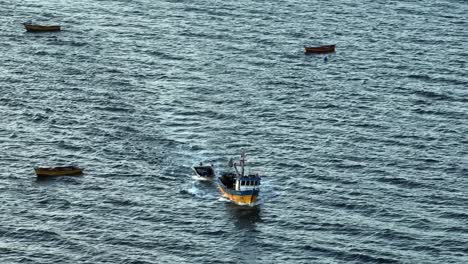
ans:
(365, 156)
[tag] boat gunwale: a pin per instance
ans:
(320, 49)
(41, 28)
(212, 172)
(58, 171)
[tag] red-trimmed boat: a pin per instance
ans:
(58, 171)
(238, 187)
(40, 28)
(319, 49)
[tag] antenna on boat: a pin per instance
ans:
(242, 162)
(235, 168)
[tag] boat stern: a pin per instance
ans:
(239, 197)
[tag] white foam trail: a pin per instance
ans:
(223, 199)
(197, 178)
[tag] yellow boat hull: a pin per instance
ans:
(239, 199)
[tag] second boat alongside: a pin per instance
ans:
(238, 187)
(204, 172)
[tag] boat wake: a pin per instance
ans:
(198, 178)
(201, 190)
(223, 199)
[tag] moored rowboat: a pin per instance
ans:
(320, 49)
(40, 28)
(58, 171)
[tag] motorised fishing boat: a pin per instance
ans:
(40, 28)
(241, 188)
(204, 172)
(58, 171)
(320, 49)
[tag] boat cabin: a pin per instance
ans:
(248, 182)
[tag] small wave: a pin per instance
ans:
(77, 44)
(213, 233)
(42, 53)
(434, 95)
(114, 109)
(37, 235)
(403, 182)
(117, 201)
(223, 199)
(199, 192)
(454, 215)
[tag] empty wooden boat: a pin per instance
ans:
(320, 49)
(41, 28)
(58, 171)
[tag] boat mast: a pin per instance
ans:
(235, 168)
(242, 163)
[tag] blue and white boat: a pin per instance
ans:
(240, 188)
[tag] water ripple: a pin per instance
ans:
(364, 154)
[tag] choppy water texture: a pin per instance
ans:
(364, 155)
